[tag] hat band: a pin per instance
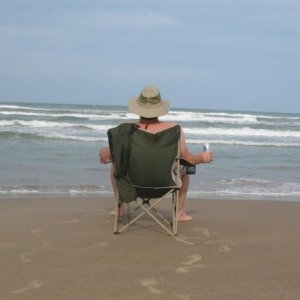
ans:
(149, 100)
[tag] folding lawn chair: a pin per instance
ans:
(147, 172)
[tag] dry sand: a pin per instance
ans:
(64, 248)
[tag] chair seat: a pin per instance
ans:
(151, 192)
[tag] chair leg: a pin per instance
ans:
(150, 209)
(175, 196)
(147, 210)
(176, 212)
(117, 212)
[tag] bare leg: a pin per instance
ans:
(113, 180)
(181, 215)
(115, 189)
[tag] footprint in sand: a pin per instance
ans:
(191, 263)
(49, 245)
(149, 284)
(192, 259)
(183, 240)
(203, 230)
(26, 257)
(69, 221)
(209, 242)
(224, 249)
(37, 231)
(34, 284)
(182, 270)
(96, 246)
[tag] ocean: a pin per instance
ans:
(52, 149)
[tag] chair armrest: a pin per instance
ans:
(190, 168)
(184, 162)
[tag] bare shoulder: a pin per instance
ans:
(157, 127)
(166, 125)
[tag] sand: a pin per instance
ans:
(64, 248)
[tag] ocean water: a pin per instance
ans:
(53, 149)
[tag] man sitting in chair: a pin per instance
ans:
(149, 106)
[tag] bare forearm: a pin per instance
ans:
(194, 159)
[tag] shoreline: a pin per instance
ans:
(190, 197)
(105, 196)
(64, 248)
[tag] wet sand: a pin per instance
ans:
(64, 248)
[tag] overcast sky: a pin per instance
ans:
(211, 54)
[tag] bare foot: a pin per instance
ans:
(123, 211)
(121, 214)
(182, 217)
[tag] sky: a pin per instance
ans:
(204, 54)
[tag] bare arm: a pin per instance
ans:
(202, 157)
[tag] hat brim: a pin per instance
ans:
(161, 109)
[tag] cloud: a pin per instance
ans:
(231, 45)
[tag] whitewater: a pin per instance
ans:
(53, 149)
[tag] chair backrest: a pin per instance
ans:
(152, 158)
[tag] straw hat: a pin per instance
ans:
(149, 104)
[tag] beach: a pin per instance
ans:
(64, 248)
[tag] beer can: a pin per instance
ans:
(206, 147)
